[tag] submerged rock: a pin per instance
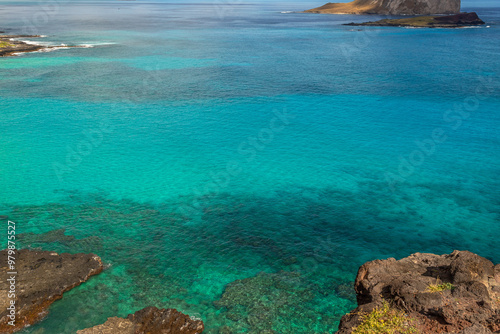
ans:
(267, 302)
(149, 320)
(391, 7)
(455, 293)
(59, 236)
(450, 21)
(41, 278)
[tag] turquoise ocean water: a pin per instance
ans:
(193, 145)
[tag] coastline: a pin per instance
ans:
(193, 191)
(10, 45)
(423, 293)
(35, 279)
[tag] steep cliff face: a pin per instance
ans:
(391, 7)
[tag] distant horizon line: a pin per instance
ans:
(465, 4)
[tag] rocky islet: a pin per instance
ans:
(449, 21)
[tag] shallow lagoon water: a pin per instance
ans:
(127, 146)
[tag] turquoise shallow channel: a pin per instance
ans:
(193, 145)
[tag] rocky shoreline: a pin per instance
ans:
(457, 293)
(42, 278)
(11, 46)
(450, 21)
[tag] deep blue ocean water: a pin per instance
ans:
(193, 145)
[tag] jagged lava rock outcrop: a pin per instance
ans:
(448, 21)
(470, 306)
(42, 278)
(149, 320)
(391, 7)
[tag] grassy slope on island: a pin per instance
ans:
(391, 7)
(354, 7)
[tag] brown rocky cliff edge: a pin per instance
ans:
(42, 278)
(471, 304)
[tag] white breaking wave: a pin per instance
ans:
(53, 48)
(32, 42)
(91, 45)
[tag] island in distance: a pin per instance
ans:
(450, 21)
(390, 7)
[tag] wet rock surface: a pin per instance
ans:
(149, 320)
(458, 293)
(42, 278)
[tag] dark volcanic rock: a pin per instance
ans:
(9, 47)
(460, 19)
(42, 278)
(475, 329)
(149, 320)
(471, 304)
(450, 21)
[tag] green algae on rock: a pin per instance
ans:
(471, 306)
